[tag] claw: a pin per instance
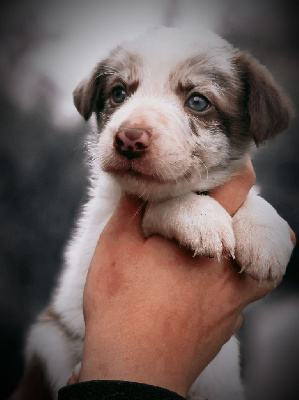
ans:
(242, 270)
(232, 253)
(261, 280)
(275, 282)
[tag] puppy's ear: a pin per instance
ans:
(269, 109)
(86, 95)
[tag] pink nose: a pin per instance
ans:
(132, 142)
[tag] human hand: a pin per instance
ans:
(153, 313)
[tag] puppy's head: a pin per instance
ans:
(177, 113)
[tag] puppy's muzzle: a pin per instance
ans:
(132, 142)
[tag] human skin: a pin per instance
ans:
(153, 313)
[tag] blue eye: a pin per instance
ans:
(118, 94)
(198, 103)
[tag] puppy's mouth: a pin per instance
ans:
(138, 175)
(145, 174)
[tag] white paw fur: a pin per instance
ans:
(196, 222)
(263, 243)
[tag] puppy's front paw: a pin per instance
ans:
(209, 231)
(263, 243)
(196, 222)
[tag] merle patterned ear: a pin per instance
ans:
(86, 94)
(269, 109)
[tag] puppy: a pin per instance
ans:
(177, 115)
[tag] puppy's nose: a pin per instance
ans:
(132, 142)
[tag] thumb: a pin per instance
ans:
(127, 217)
(232, 194)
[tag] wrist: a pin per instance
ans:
(112, 357)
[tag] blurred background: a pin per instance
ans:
(47, 47)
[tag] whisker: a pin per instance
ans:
(142, 194)
(139, 209)
(207, 170)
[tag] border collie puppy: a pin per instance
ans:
(177, 115)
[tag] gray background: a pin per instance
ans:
(46, 48)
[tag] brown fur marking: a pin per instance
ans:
(34, 385)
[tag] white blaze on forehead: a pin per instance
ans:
(164, 50)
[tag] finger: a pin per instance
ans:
(257, 290)
(73, 379)
(127, 217)
(232, 194)
(293, 237)
(239, 322)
